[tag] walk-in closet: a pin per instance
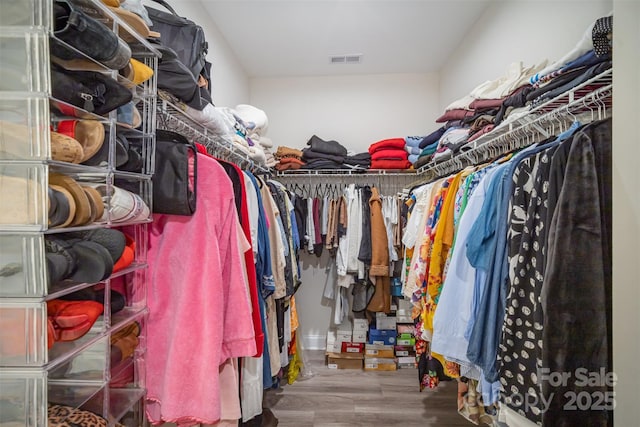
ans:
(319, 213)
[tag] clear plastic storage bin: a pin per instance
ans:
(23, 196)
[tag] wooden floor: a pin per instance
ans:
(333, 398)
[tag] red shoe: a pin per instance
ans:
(72, 319)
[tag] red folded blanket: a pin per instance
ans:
(390, 154)
(393, 143)
(390, 164)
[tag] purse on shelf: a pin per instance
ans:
(182, 35)
(174, 178)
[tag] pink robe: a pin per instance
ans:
(199, 311)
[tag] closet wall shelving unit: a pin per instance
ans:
(588, 101)
(172, 117)
(79, 373)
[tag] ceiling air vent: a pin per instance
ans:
(346, 59)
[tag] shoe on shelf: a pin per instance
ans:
(82, 261)
(65, 149)
(71, 320)
(123, 205)
(88, 35)
(89, 134)
(83, 206)
(62, 206)
(101, 157)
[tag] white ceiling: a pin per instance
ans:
(277, 38)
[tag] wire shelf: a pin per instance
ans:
(585, 102)
(346, 172)
(172, 117)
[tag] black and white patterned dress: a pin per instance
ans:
(521, 344)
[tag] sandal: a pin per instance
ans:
(89, 134)
(65, 149)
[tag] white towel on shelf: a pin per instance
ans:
(210, 118)
(258, 155)
(253, 115)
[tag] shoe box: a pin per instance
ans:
(382, 336)
(360, 328)
(385, 322)
(380, 364)
(405, 350)
(352, 347)
(378, 351)
(344, 360)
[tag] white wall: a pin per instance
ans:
(626, 210)
(230, 83)
(512, 31)
(315, 312)
(353, 110)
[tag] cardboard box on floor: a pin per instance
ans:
(380, 364)
(344, 360)
(377, 350)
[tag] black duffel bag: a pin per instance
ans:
(184, 36)
(175, 78)
(174, 179)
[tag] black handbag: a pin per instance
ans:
(174, 178)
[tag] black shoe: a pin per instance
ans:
(87, 35)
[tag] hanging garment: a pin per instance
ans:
(389, 214)
(379, 270)
(453, 312)
(179, 392)
(487, 251)
(285, 208)
(251, 389)
(266, 287)
(229, 399)
(273, 338)
(276, 244)
(311, 226)
(355, 232)
(300, 206)
(252, 209)
(237, 178)
(317, 226)
(412, 284)
(576, 288)
(364, 252)
(522, 328)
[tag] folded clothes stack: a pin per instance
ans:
(321, 154)
(256, 123)
(412, 146)
(358, 161)
(389, 154)
(451, 143)
(288, 158)
(495, 103)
